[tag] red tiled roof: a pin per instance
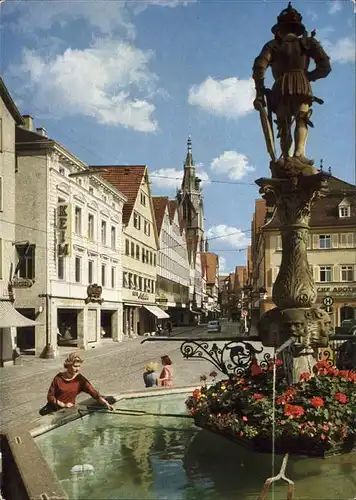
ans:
(159, 205)
(127, 179)
(210, 262)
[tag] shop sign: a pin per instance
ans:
(337, 289)
(21, 282)
(140, 295)
(94, 294)
(64, 229)
(161, 300)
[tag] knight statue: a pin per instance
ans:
(290, 99)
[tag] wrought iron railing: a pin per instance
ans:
(233, 355)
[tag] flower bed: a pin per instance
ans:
(316, 417)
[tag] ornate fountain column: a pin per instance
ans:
(294, 291)
(294, 186)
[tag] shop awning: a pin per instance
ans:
(157, 311)
(9, 317)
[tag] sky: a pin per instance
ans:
(126, 83)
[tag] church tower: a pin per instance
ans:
(190, 200)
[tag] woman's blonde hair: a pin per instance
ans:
(72, 358)
(151, 367)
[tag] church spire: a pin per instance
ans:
(189, 158)
(188, 183)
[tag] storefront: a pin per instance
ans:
(344, 302)
(10, 323)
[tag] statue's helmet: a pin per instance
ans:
(289, 20)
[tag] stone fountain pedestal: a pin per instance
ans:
(292, 194)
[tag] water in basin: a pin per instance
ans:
(159, 458)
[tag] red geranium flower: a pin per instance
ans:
(304, 377)
(341, 398)
(196, 394)
(317, 402)
(293, 411)
(258, 396)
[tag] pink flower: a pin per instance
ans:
(341, 398)
(245, 419)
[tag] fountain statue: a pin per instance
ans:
(293, 187)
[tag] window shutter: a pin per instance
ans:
(335, 240)
(316, 273)
(343, 240)
(315, 241)
(309, 242)
(336, 273)
(350, 240)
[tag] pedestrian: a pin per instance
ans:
(150, 376)
(169, 327)
(66, 386)
(166, 376)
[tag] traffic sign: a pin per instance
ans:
(328, 301)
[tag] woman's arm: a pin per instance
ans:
(89, 389)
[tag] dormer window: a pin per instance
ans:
(344, 211)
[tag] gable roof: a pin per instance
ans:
(210, 263)
(159, 204)
(127, 179)
(9, 103)
(172, 207)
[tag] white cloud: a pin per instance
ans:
(170, 178)
(230, 98)
(109, 81)
(234, 165)
(171, 3)
(104, 16)
(231, 235)
(342, 51)
(222, 264)
(334, 7)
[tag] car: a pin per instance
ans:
(214, 327)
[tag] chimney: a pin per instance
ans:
(28, 122)
(206, 245)
(41, 131)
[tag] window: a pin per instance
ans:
(91, 190)
(346, 240)
(147, 256)
(151, 258)
(143, 199)
(132, 249)
(325, 274)
(103, 274)
(137, 221)
(78, 269)
(324, 241)
(130, 280)
(103, 232)
(347, 273)
(78, 220)
(125, 280)
(140, 283)
(143, 255)
(113, 237)
(127, 247)
(104, 198)
(147, 228)
(113, 273)
(137, 252)
(79, 181)
(135, 282)
(344, 211)
(62, 170)
(1, 196)
(60, 268)
(91, 227)
(154, 259)
(26, 256)
(90, 272)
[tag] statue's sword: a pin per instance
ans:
(266, 123)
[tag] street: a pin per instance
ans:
(112, 368)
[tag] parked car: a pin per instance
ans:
(214, 326)
(348, 327)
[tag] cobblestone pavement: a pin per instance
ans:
(112, 368)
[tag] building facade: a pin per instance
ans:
(140, 251)
(10, 319)
(210, 269)
(331, 251)
(191, 209)
(173, 273)
(71, 220)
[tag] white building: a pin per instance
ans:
(70, 225)
(140, 249)
(10, 117)
(173, 272)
